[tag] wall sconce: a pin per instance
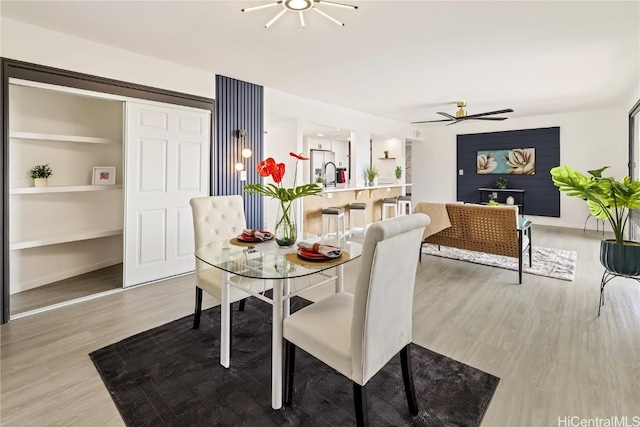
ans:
(246, 153)
(243, 173)
(242, 134)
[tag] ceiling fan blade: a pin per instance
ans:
(454, 123)
(489, 113)
(489, 118)
(433, 121)
(449, 116)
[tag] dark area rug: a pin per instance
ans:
(171, 376)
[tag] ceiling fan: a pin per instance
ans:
(461, 115)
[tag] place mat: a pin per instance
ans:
(237, 242)
(294, 258)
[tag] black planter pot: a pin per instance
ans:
(620, 259)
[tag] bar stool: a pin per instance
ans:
(333, 213)
(389, 204)
(404, 202)
(360, 209)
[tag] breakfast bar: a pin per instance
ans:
(342, 197)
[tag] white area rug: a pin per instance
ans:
(548, 262)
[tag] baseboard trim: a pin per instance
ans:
(64, 304)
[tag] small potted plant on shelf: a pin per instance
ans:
(371, 174)
(501, 182)
(398, 173)
(40, 174)
(386, 154)
(608, 199)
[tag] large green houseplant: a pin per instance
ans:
(608, 199)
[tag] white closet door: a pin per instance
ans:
(167, 164)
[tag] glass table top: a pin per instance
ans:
(269, 261)
(524, 223)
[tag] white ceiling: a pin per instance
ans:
(329, 133)
(401, 59)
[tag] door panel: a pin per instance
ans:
(188, 157)
(152, 165)
(185, 236)
(153, 119)
(152, 229)
(167, 152)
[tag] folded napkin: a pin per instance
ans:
(262, 235)
(328, 251)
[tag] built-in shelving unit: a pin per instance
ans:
(66, 238)
(64, 189)
(386, 158)
(69, 227)
(62, 138)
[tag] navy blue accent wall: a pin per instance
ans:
(239, 105)
(542, 197)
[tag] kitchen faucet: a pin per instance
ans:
(335, 170)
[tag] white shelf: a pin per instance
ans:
(63, 189)
(54, 240)
(62, 138)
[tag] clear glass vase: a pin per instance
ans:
(285, 231)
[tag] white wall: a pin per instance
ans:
(588, 140)
(29, 43)
(386, 168)
(634, 96)
(283, 136)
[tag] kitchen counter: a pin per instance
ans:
(344, 195)
(342, 187)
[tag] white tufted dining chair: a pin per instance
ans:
(215, 218)
(358, 334)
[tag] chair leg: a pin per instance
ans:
(289, 368)
(198, 311)
(360, 401)
(520, 269)
(530, 247)
(230, 329)
(242, 304)
(407, 376)
(520, 257)
(420, 252)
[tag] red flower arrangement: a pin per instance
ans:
(285, 227)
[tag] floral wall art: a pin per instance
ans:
(517, 161)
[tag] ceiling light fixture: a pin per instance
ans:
(300, 6)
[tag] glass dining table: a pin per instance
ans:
(276, 268)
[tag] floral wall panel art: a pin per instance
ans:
(517, 161)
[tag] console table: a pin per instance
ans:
(503, 193)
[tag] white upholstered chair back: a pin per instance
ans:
(381, 324)
(216, 218)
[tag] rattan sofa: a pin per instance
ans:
(488, 229)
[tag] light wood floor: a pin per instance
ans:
(555, 358)
(104, 279)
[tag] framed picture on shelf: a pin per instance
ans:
(104, 175)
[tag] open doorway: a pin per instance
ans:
(407, 166)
